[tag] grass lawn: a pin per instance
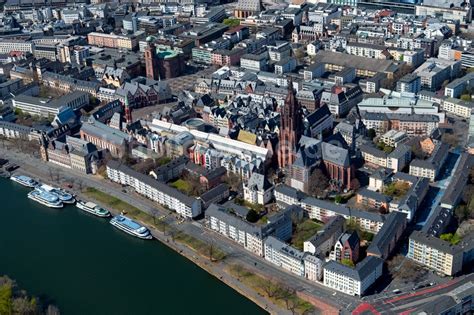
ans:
(241, 202)
(303, 232)
(275, 292)
(199, 246)
(397, 189)
(182, 186)
(118, 204)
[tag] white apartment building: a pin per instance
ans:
(393, 137)
(250, 236)
(312, 48)
(69, 16)
(14, 131)
(457, 107)
(163, 194)
(284, 256)
(254, 62)
(421, 168)
(287, 195)
(395, 160)
(430, 168)
(353, 281)
(435, 253)
(367, 50)
(313, 267)
(280, 51)
(6, 46)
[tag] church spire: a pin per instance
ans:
(290, 130)
(128, 111)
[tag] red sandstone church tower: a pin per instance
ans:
(151, 60)
(128, 111)
(290, 128)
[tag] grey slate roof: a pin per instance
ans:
(258, 182)
(171, 165)
(282, 247)
(224, 214)
(400, 151)
(290, 191)
(103, 131)
(16, 127)
(438, 222)
(460, 177)
(375, 65)
(335, 154)
(374, 195)
(334, 225)
(369, 149)
(214, 192)
(382, 239)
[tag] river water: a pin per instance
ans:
(84, 265)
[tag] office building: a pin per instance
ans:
(50, 107)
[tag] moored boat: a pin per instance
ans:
(45, 198)
(131, 227)
(24, 180)
(93, 209)
(64, 196)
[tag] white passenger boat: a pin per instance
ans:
(64, 196)
(24, 180)
(45, 198)
(93, 209)
(131, 227)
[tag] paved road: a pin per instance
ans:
(235, 253)
(408, 302)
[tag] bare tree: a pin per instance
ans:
(2, 140)
(318, 182)
(164, 226)
(51, 174)
(172, 233)
(71, 181)
(58, 176)
(211, 251)
(234, 181)
(154, 214)
(286, 294)
(80, 185)
(270, 288)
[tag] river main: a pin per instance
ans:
(84, 265)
